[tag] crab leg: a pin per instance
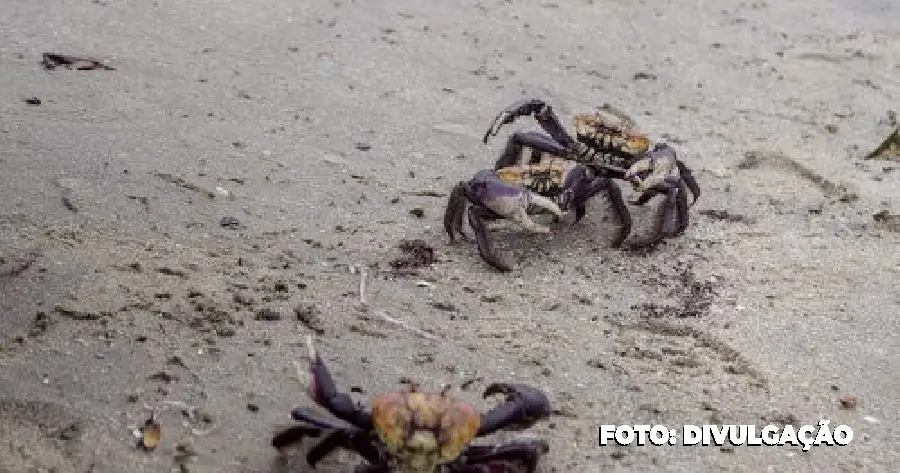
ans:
(522, 453)
(614, 194)
(542, 112)
(353, 441)
(323, 392)
(371, 469)
(295, 434)
(688, 177)
(456, 209)
(666, 226)
(477, 217)
(524, 406)
(682, 207)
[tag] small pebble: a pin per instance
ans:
(229, 222)
(268, 315)
(848, 402)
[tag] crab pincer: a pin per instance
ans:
(323, 391)
(524, 406)
(492, 198)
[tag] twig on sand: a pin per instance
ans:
(362, 286)
(363, 300)
(387, 318)
(192, 415)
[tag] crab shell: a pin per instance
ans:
(597, 127)
(424, 430)
(540, 177)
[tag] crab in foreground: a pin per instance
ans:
(608, 147)
(419, 432)
(516, 193)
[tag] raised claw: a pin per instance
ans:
(501, 119)
(322, 391)
(509, 114)
(524, 406)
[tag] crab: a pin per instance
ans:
(419, 432)
(609, 147)
(516, 193)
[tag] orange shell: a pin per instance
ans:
(401, 417)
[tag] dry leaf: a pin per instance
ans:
(54, 60)
(887, 221)
(848, 402)
(889, 149)
(151, 434)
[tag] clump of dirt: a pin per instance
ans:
(887, 221)
(694, 299)
(726, 216)
(417, 254)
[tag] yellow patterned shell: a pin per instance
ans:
(610, 134)
(539, 177)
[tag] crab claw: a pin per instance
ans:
(641, 167)
(509, 114)
(503, 118)
(509, 200)
(323, 392)
(524, 406)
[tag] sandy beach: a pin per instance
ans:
(172, 228)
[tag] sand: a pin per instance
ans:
(172, 229)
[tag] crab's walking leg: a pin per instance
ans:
(353, 441)
(646, 196)
(295, 434)
(614, 194)
(477, 220)
(520, 455)
(539, 143)
(688, 177)
(542, 112)
(666, 227)
(371, 469)
(456, 209)
(682, 209)
(323, 391)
